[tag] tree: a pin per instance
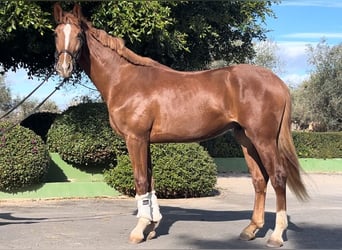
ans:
(26, 108)
(301, 106)
(5, 95)
(321, 94)
(219, 30)
(26, 36)
(7, 102)
(183, 35)
(266, 56)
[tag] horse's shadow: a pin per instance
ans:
(173, 214)
(307, 235)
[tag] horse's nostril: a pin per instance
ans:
(58, 67)
(69, 67)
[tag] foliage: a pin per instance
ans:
(24, 158)
(180, 170)
(223, 146)
(26, 108)
(308, 145)
(181, 34)
(218, 30)
(319, 99)
(82, 136)
(266, 56)
(5, 95)
(22, 14)
(301, 111)
(318, 145)
(121, 177)
(129, 18)
(26, 36)
(40, 123)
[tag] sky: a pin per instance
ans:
(297, 24)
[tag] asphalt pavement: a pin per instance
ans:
(197, 223)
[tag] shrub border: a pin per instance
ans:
(91, 189)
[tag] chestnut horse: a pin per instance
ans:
(152, 103)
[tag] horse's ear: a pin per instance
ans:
(77, 11)
(57, 12)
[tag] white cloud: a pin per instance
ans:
(293, 79)
(316, 3)
(291, 49)
(294, 57)
(313, 35)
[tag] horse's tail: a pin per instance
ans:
(289, 156)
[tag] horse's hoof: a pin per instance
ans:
(136, 236)
(135, 239)
(274, 243)
(150, 230)
(151, 235)
(246, 236)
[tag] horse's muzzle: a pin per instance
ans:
(64, 69)
(65, 61)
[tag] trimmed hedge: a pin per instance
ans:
(224, 146)
(318, 144)
(308, 145)
(83, 137)
(179, 170)
(24, 158)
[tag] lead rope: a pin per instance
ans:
(35, 109)
(23, 100)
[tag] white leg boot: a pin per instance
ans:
(156, 215)
(149, 216)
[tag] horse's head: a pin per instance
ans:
(69, 39)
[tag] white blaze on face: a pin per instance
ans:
(67, 31)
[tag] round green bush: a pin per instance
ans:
(82, 136)
(179, 170)
(24, 158)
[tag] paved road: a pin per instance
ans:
(211, 222)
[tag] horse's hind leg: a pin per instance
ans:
(269, 155)
(278, 180)
(259, 178)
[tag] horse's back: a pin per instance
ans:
(253, 76)
(203, 104)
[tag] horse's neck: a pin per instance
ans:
(103, 68)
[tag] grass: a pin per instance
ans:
(65, 181)
(60, 171)
(238, 165)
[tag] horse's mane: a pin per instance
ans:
(118, 45)
(114, 43)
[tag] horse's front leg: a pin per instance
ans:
(148, 208)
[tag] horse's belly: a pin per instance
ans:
(189, 128)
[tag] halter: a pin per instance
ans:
(74, 56)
